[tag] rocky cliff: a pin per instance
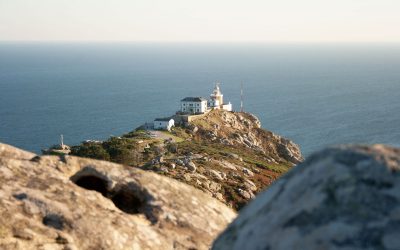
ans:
(244, 129)
(225, 154)
(66, 202)
(345, 197)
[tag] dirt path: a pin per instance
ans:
(160, 135)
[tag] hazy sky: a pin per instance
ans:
(201, 20)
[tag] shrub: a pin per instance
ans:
(123, 151)
(91, 150)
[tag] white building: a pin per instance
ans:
(217, 100)
(164, 123)
(194, 105)
(227, 106)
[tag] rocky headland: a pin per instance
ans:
(225, 154)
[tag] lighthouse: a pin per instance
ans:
(217, 100)
(216, 97)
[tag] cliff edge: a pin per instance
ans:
(244, 129)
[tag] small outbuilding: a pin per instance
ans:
(164, 123)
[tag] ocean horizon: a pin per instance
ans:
(314, 94)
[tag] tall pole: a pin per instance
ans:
(62, 141)
(241, 97)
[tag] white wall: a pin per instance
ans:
(164, 124)
(227, 107)
(198, 107)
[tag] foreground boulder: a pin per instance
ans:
(67, 202)
(346, 197)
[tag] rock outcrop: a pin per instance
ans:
(346, 197)
(66, 202)
(233, 128)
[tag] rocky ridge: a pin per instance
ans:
(67, 202)
(240, 128)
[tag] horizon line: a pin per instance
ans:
(205, 42)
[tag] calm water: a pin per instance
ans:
(315, 95)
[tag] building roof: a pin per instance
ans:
(163, 119)
(193, 99)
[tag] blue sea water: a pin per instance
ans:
(316, 95)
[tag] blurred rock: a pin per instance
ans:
(346, 197)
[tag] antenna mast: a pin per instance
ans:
(241, 97)
(62, 141)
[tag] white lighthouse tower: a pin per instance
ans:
(217, 100)
(216, 97)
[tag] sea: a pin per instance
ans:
(314, 94)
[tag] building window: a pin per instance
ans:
(184, 104)
(191, 105)
(198, 104)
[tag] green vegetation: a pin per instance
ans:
(137, 134)
(91, 150)
(173, 136)
(127, 150)
(121, 150)
(281, 168)
(180, 132)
